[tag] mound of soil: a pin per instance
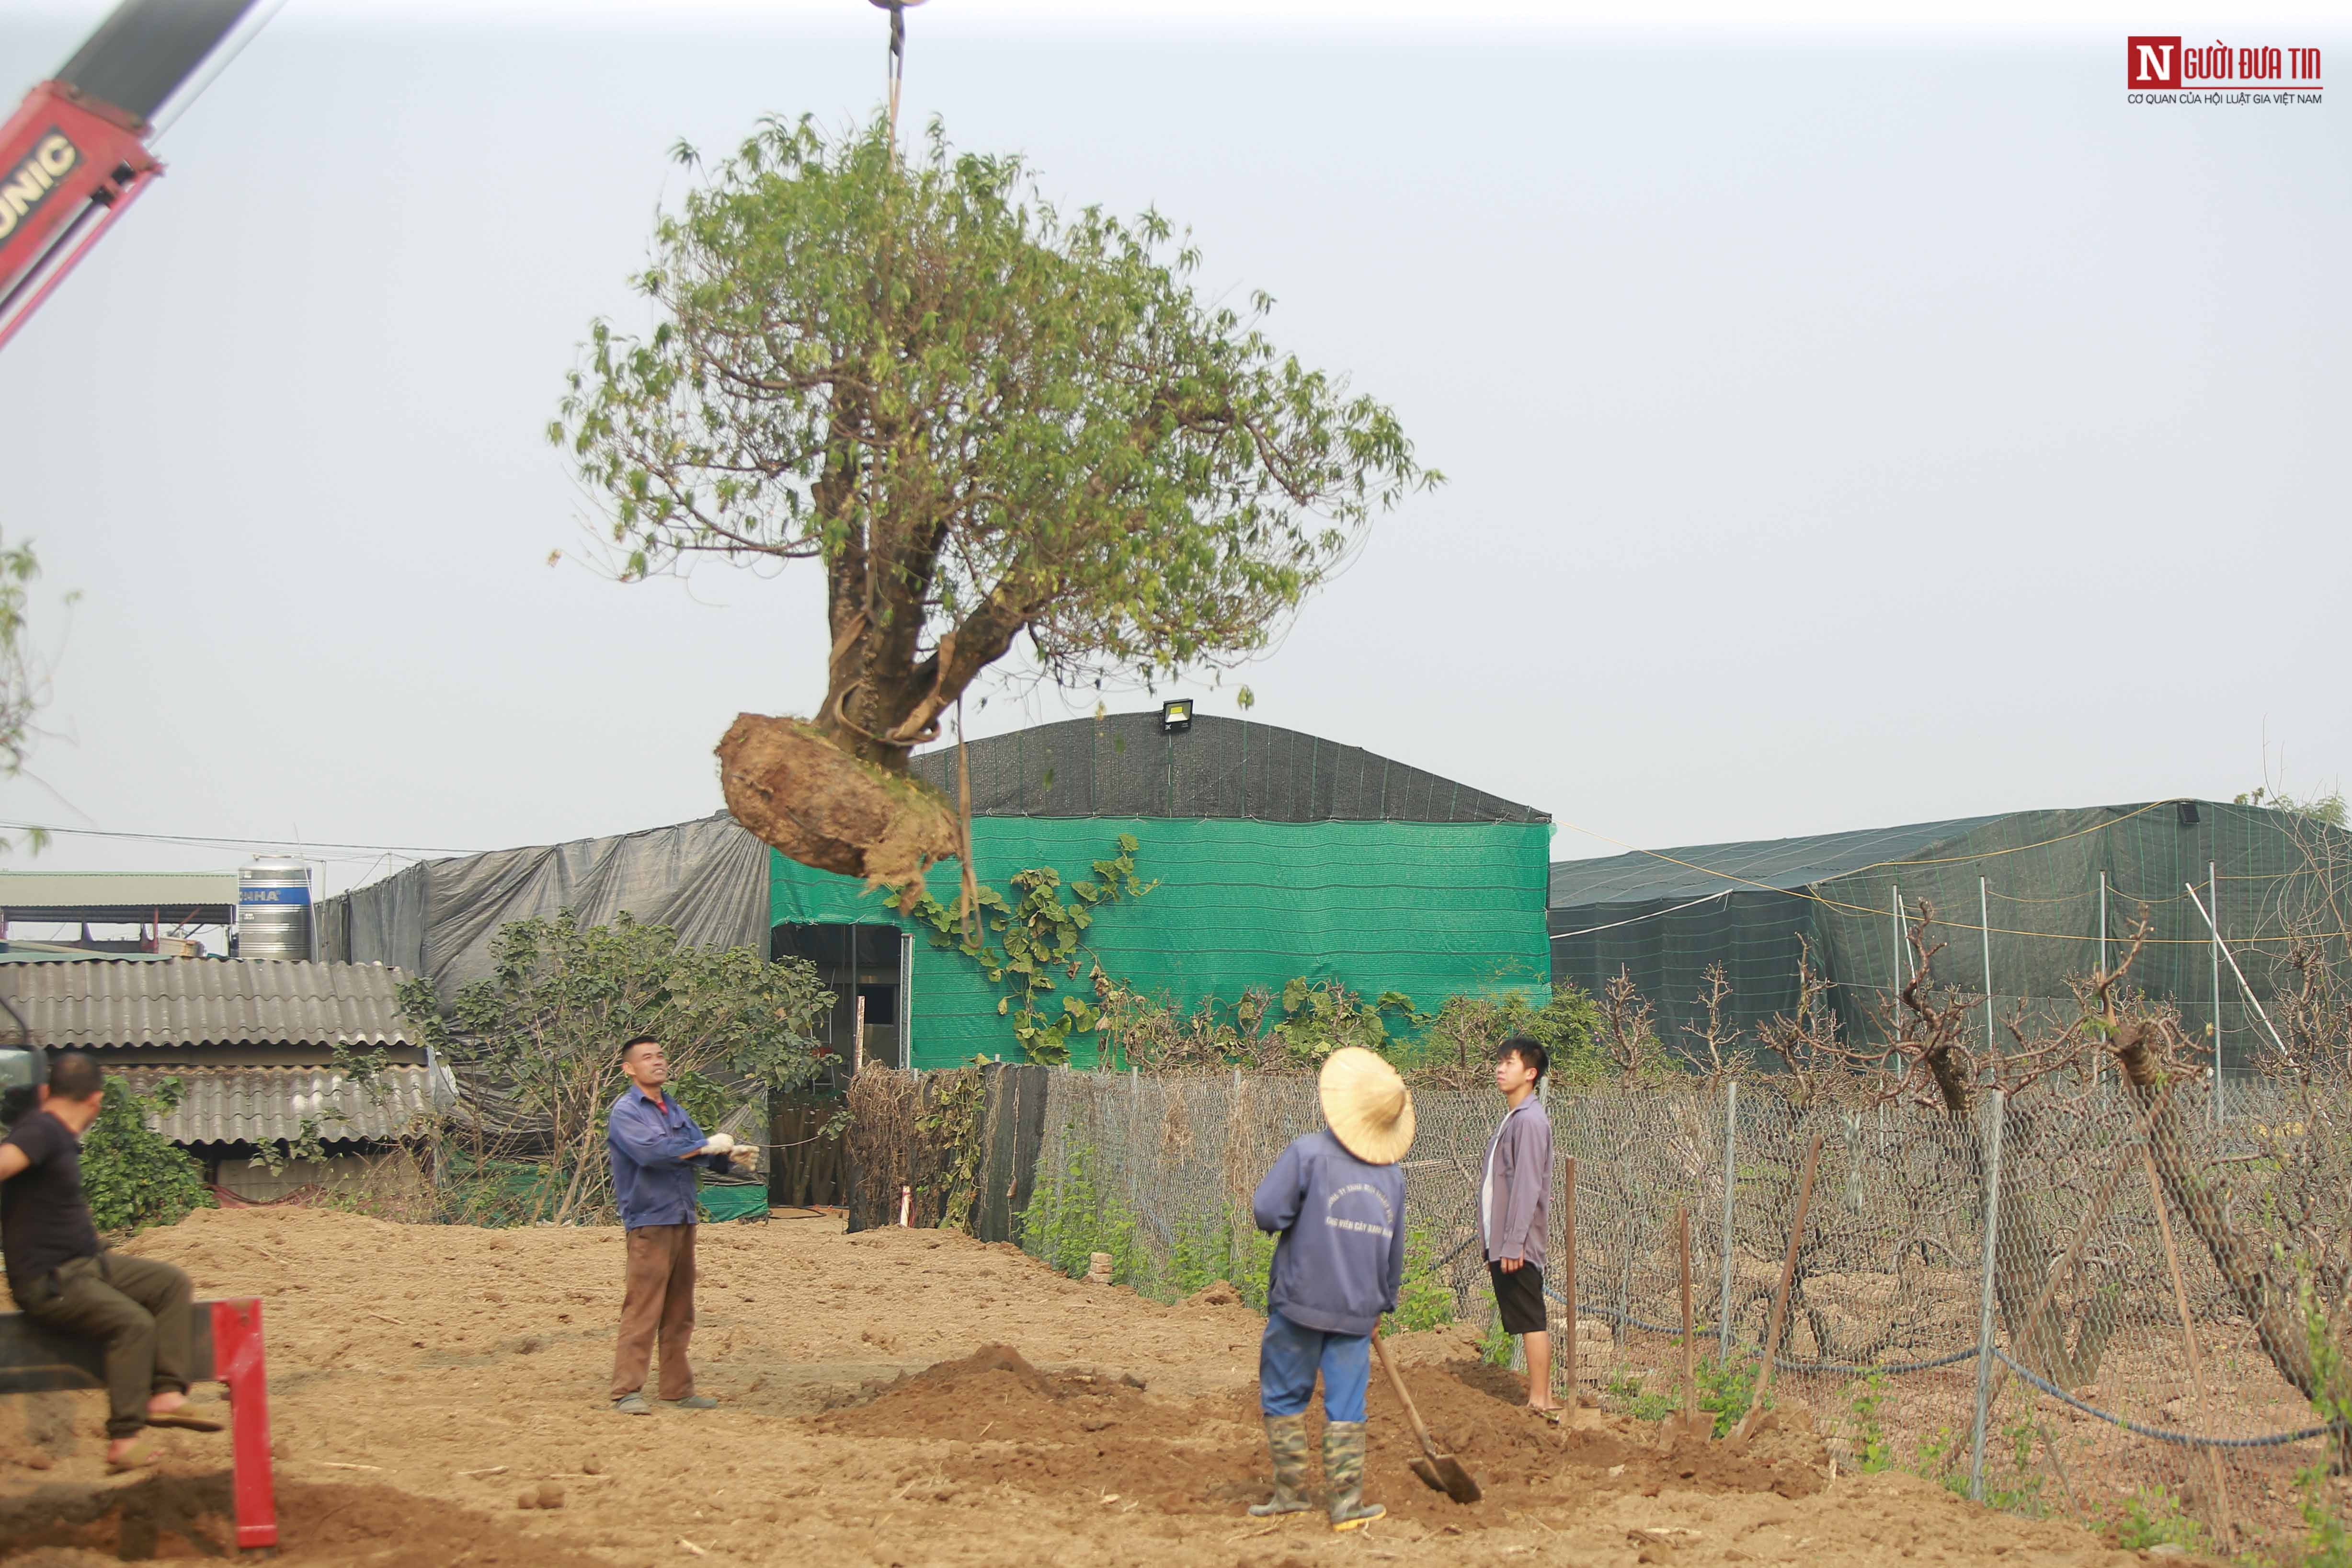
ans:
(1221, 1294)
(992, 1395)
(178, 1518)
(1008, 1424)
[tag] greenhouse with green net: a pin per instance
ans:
(2020, 902)
(1271, 857)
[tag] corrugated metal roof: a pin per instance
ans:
(103, 1002)
(124, 889)
(268, 1105)
(44, 953)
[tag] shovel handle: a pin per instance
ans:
(1412, 1411)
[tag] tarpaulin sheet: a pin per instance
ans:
(1431, 910)
(1125, 764)
(2017, 906)
(707, 879)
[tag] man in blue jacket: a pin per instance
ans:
(656, 1149)
(1338, 1198)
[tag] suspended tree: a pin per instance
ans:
(993, 428)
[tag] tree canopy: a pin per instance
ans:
(21, 678)
(987, 420)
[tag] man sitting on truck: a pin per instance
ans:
(65, 1280)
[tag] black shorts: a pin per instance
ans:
(1520, 1294)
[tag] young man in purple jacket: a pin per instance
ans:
(1337, 1199)
(1514, 1211)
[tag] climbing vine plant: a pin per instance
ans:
(1031, 941)
(950, 1122)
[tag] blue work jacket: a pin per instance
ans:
(1341, 1257)
(653, 1178)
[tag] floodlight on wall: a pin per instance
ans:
(2188, 813)
(1176, 717)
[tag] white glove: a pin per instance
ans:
(720, 1143)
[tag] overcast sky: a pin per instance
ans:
(1843, 428)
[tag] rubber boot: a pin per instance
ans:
(1343, 1473)
(1285, 1439)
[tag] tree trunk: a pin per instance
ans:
(2021, 1257)
(833, 792)
(2266, 1291)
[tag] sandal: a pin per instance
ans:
(1551, 1417)
(140, 1456)
(185, 1419)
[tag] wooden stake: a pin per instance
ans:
(2188, 1339)
(1568, 1276)
(1690, 1367)
(1780, 1297)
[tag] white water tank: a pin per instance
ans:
(273, 908)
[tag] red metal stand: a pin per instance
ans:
(238, 1362)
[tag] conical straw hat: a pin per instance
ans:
(1367, 1105)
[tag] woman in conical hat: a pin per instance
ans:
(1337, 1199)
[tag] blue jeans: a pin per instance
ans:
(1286, 1361)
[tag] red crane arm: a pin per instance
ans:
(73, 156)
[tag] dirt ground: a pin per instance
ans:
(896, 1397)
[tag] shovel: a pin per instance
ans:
(1438, 1472)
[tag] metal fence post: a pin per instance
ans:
(1984, 1308)
(1984, 917)
(1730, 1151)
(2103, 922)
(1894, 958)
(2213, 894)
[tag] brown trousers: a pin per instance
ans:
(659, 1301)
(138, 1307)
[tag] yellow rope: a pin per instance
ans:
(2044, 844)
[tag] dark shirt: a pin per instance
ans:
(43, 1220)
(653, 1182)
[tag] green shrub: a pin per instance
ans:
(134, 1178)
(1637, 1402)
(2152, 1517)
(1876, 1453)
(1070, 1220)
(1944, 1457)
(1425, 1300)
(1724, 1393)
(2327, 1543)
(1073, 1215)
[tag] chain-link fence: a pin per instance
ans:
(2131, 1356)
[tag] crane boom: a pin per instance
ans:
(74, 156)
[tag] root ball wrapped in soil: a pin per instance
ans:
(795, 789)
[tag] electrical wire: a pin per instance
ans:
(213, 841)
